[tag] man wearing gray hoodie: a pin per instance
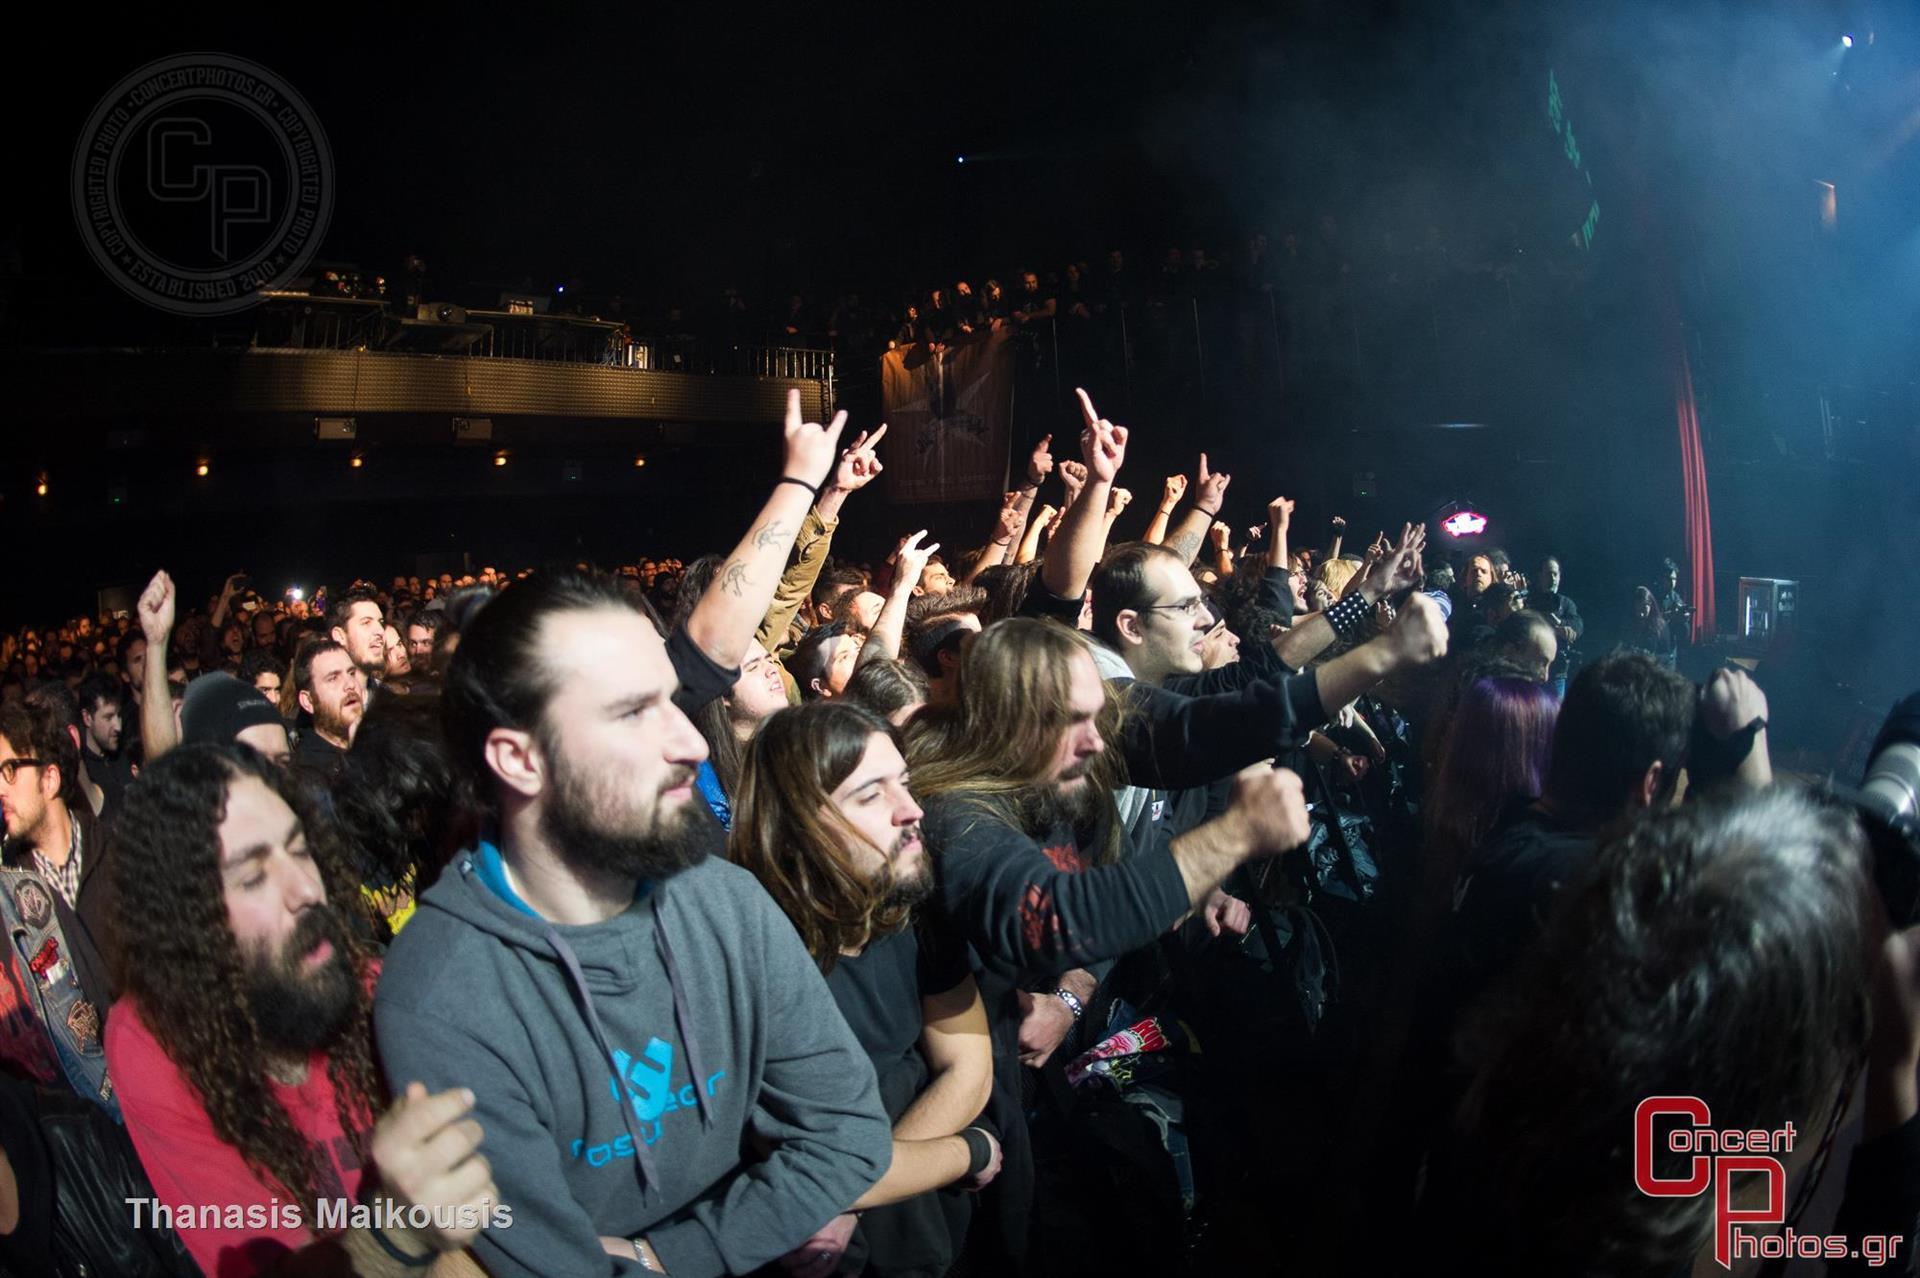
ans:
(664, 1080)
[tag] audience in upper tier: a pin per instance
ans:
(767, 913)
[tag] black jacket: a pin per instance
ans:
(76, 1169)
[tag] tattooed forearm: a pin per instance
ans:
(734, 579)
(770, 536)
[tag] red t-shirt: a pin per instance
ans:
(241, 1226)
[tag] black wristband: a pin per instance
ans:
(789, 479)
(979, 1150)
(386, 1245)
(1210, 514)
(1347, 616)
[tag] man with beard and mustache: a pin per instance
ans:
(1017, 777)
(333, 690)
(355, 622)
(827, 824)
(241, 1050)
(665, 1082)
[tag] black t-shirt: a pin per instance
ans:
(112, 775)
(879, 993)
(319, 755)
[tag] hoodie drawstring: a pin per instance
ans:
(649, 1178)
(681, 1020)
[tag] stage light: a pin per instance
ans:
(1846, 42)
(1465, 523)
(500, 458)
(202, 469)
(40, 488)
(959, 159)
(639, 461)
(357, 461)
(296, 594)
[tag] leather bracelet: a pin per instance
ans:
(387, 1245)
(1210, 514)
(789, 479)
(979, 1150)
(1347, 616)
(1072, 1001)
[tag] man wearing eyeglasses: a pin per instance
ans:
(52, 833)
(1193, 728)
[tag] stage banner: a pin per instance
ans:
(948, 414)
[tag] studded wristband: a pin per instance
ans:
(1347, 616)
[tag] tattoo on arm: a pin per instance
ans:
(734, 579)
(771, 535)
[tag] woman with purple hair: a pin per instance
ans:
(1496, 752)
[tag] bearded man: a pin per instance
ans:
(665, 1082)
(829, 826)
(241, 1048)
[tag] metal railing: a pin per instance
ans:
(299, 322)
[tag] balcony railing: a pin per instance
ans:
(297, 321)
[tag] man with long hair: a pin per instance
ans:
(662, 1074)
(1018, 778)
(828, 825)
(241, 1046)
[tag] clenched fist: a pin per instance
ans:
(1272, 806)
(1419, 634)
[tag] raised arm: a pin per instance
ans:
(1279, 522)
(1030, 544)
(1210, 494)
(1221, 534)
(224, 607)
(1075, 552)
(1339, 534)
(1117, 502)
(858, 465)
(1176, 488)
(1000, 542)
(883, 641)
(158, 732)
(1418, 636)
(733, 607)
(1039, 466)
(1398, 569)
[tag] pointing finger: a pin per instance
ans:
(1086, 406)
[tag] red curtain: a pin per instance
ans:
(1693, 471)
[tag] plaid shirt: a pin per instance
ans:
(65, 878)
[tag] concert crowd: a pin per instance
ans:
(1094, 886)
